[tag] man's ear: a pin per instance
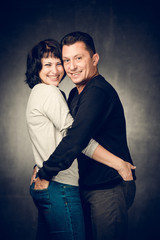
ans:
(95, 59)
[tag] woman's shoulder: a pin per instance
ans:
(45, 89)
(43, 92)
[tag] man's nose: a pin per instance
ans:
(72, 65)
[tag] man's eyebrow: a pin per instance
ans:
(79, 54)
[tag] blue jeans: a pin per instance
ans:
(60, 215)
(106, 211)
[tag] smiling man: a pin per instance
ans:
(80, 64)
(98, 113)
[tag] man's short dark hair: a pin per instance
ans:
(74, 37)
(43, 49)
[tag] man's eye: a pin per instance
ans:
(66, 60)
(79, 58)
(59, 64)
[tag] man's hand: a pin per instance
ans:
(33, 178)
(41, 184)
(125, 171)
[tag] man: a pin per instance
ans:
(98, 114)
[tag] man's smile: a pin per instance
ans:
(75, 73)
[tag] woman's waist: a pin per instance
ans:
(69, 176)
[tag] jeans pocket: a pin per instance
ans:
(129, 188)
(41, 198)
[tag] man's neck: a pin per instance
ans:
(81, 86)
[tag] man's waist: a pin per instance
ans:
(85, 185)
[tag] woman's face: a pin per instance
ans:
(52, 71)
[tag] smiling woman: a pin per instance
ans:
(48, 119)
(52, 71)
(44, 63)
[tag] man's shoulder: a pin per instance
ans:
(100, 81)
(101, 84)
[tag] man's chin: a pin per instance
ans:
(76, 80)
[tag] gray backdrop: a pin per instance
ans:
(126, 35)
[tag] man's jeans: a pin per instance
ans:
(106, 211)
(60, 215)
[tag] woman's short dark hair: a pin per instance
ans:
(78, 36)
(43, 49)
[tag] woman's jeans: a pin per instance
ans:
(60, 215)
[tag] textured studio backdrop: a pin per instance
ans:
(127, 37)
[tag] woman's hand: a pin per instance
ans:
(125, 171)
(122, 167)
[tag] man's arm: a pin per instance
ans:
(85, 125)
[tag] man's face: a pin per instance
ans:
(78, 63)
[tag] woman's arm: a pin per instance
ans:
(105, 157)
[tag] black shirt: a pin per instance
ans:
(98, 114)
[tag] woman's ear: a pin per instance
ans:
(95, 59)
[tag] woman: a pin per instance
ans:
(59, 207)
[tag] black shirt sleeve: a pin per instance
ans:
(86, 123)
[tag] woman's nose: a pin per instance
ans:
(54, 69)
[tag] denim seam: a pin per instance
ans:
(68, 210)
